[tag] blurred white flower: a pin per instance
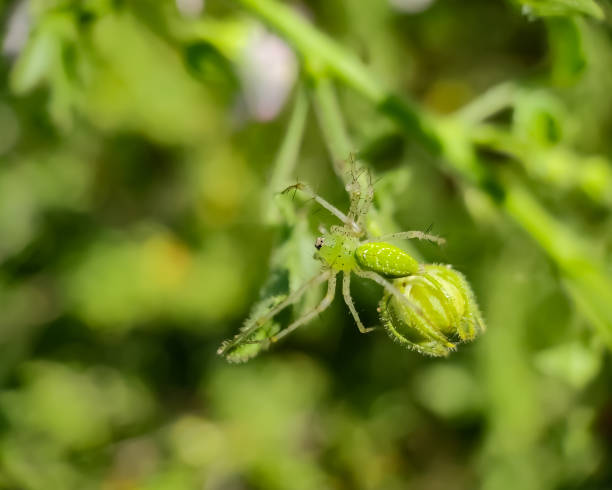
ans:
(190, 8)
(17, 30)
(268, 71)
(411, 6)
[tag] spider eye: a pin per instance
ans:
(319, 243)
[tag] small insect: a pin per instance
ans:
(426, 307)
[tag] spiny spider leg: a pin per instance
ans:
(407, 235)
(367, 200)
(329, 297)
(354, 191)
(393, 290)
(254, 323)
(346, 292)
(361, 193)
(353, 188)
(305, 188)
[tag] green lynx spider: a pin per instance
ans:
(347, 249)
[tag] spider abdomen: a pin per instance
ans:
(386, 259)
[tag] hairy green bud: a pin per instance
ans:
(442, 304)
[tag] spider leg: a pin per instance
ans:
(410, 304)
(329, 297)
(255, 323)
(354, 191)
(361, 192)
(346, 292)
(305, 188)
(366, 202)
(407, 235)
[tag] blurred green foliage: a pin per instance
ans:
(142, 145)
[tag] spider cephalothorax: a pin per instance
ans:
(428, 308)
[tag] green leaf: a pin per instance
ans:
(257, 341)
(573, 362)
(33, 65)
(567, 51)
(539, 118)
(553, 8)
(206, 63)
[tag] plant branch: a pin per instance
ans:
(450, 140)
(287, 156)
(333, 129)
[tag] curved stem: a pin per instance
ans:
(449, 139)
(287, 156)
(489, 103)
(336, 136)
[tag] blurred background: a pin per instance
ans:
(139, 224)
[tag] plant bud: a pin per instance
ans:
(443, 306)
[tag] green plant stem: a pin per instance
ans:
(582, 273)
(322, 56)
(450, 140)
(287, 156)
(489, 103)
(333, 129)
(558, 166)
(339, 145)
(308, 41)
(514, 423)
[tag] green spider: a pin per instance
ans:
(426, 307)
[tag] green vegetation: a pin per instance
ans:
(143, 148)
